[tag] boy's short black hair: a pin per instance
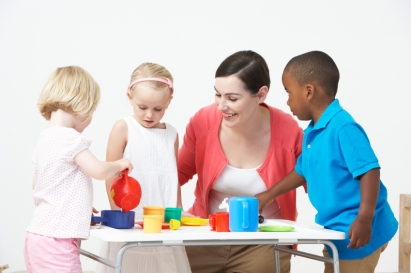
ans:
(315, 66)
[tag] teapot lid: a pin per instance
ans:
(224, 204)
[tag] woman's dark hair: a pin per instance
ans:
(249, 66)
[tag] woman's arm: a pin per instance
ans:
(116, 144)
(186, 163)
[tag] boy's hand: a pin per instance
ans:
(263, 200)
(361, 229)
(360, 233)
(291, 181)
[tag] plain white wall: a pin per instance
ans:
(369, 40)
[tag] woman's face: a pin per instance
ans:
(235, 102)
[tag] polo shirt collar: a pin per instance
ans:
(327, 115)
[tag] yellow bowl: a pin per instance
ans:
(193, 221)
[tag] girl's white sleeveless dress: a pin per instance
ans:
(152, 153)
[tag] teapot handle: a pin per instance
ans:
(125, 175)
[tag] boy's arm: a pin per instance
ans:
(361, 229)
(291, 181)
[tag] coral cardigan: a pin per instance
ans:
(201, 154)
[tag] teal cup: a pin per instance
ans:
(172, 213)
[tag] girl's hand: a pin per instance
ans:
(94, 211)
(124, 163)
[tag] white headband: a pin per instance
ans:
(166, 81)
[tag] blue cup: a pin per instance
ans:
(243, 214)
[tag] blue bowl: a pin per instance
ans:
(115, 219)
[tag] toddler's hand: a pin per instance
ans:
(125, 164)
(94, 211)
(359, 233)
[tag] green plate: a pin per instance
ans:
(276, 228)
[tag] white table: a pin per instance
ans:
(201, 235)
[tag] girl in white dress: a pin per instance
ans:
(152, 148)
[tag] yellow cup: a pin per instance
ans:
(152, 223)
(153, 210)
(175, 224)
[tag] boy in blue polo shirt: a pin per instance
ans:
(338, 164)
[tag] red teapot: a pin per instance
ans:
(125, 192)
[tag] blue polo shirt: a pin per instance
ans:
(336, 152)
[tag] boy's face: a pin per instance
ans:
(297, 97)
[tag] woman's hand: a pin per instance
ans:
(187, 214)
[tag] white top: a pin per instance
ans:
(240, 182)
(63, 195)
(151, 151)
(152, 154)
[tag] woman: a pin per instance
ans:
(239, 146)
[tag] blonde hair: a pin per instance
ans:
(151, 70)
(71, 89)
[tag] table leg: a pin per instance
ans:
(334, 251)
(277, 260)
(121, 253)
(334, 260)
(277, 249)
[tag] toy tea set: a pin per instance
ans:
(126, 194)
(241, 215)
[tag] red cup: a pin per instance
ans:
(211, 221)
(221, 222)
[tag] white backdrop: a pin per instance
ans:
(369, 40)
